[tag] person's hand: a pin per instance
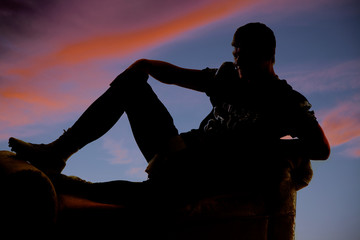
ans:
(156, 164)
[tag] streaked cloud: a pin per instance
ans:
(47, 99)
(352, 149)
(336, 77)
(342, 123)
(119, 154)
(52, 71)
(341, 82)
(50, 51)
(136, 172)
(132, 37)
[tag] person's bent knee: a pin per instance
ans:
(130, 78)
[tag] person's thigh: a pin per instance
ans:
(151, 123)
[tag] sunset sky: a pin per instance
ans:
(56, 57)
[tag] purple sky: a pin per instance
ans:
(56, 57)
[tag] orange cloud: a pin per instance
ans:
(31, 98)
(21, 108)
(44, 101)
(122, 44)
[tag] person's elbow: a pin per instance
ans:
(321, 151)
(318, 143)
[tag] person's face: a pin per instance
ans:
(244, 57)
(247, 62)
(243, 60)
(236, 54)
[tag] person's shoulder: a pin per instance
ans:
(228, 67)
(210, 71)
(225, 67)
(285, 88)
(227, 73)
(222, 79)
(294, 99)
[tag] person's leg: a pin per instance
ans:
(92, 124)
(151, 123)
(119, 192)
(135, 199)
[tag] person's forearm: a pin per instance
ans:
(170, 74)
(162, 71)
(297, 147)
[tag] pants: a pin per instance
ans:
(152, 127)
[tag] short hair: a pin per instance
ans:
(256, 39)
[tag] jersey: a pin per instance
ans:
(248, 112)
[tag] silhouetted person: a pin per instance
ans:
(252, 110)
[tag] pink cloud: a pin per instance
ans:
(136, 172)
(341, 76)
(342, 123)
(119, 154)
(354, 150)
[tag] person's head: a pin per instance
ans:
(254, 45)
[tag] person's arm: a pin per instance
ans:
(311, 143)
(171, 74)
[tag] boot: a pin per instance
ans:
(49, 158)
